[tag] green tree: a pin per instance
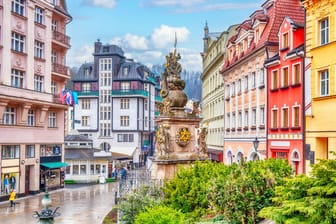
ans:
(247, 189)
(306, 199)
(160, 215)
(137, 202)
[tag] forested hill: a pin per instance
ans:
(192, 79)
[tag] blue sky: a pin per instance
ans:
(145, 29)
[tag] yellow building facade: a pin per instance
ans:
(320, 93)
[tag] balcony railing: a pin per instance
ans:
(60, 37)
(120, 92)
(61, 69)
(88, 93)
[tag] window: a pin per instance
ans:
(285, 77)
(50, 150)
(54, 25)
(18, 6)
(52, 120)
(86, 87)
(274, 118)
(17, 78)
(53, 56)
(324, 31)
(285, 40)
(31, 118)
(125, 70)
(240, 118)
(30, 151)
(146, 104)
(125, 137)
(296, 74)
(262, 115)
(246, 83)
(85, 121)
(38, 83)
(146, 122)
(97, 169)
(75, 169)
(10, 152)
(105, 96)
(18, 42)
(105, 113)
(105, 64)
(86, 104)
(39, 46)
(92, 166)
(233, 89)
(125, 86)
(228, 120)
(124, 121)
(284, 117)
(105, 129)
(275, 79)
(296, 116)
(253, 79)
(38, 15)
(324, 83)
(124, 103)
(246, 120)
(233, 120)
(53, 87)
(82, 168)
(239, 86)
(9, 116)
(262, 77)
(254, 117)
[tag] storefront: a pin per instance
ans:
(52, 175)
(9, 179)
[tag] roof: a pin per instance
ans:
(77, 138)
(85, 73)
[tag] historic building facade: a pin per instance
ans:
(245, 80)
(320, 49)
(116, 103)
(213, 89)
(33, 47)
(285, 104)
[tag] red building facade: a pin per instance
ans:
(285, 104)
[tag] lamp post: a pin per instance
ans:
(256, 144)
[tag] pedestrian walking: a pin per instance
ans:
(12, 198)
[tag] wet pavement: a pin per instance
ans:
(84, 204)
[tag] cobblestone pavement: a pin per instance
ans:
(84, 204)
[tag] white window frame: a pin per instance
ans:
(18, 7)
(38, 83)
(17, 78)
(9, 116)
(39, 15)
(39, 49)
(324, 82)
(324, 31)
(124, 121)
(31, 117)
(52, 119)
(18, 42)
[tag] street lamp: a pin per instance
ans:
(256, 144)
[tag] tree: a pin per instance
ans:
(304, 199)
(160, 215)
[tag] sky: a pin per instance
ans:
(145, 29)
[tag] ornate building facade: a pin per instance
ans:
(33, 47)
(285, 88)
(116, 103)
(213, 89)
(245, 81)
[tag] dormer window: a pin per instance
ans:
(125, 71)
(285, 41)
(256, 37)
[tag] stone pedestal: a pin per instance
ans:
(165, 165)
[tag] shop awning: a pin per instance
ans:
(54, 165)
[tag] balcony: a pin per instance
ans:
(87, 93)
(130, 92)
(61, 38)
(60, 69)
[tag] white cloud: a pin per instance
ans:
(76, 57)
(165, 35)
(131, 41)
(102, 3)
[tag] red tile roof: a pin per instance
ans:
(273, 13)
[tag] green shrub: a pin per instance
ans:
(160, 215)
(69, 181)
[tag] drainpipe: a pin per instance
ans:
(304, 96)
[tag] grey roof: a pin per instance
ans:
(135, 71)
(85, 73)
(109, 49)
(77, 138)
(84, 154)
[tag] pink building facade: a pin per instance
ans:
(285, 95)
(245, 80)
(33, 47)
